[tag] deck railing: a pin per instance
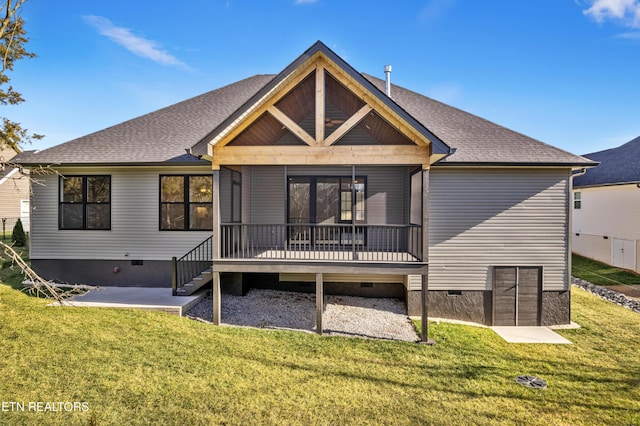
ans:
(191, 264)
(330, 242)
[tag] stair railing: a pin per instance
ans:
(191, 264)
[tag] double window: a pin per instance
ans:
(85, 202)
(186, 202)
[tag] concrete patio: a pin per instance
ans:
(530, 335)
(157, 299)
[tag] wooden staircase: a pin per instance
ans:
(195, 284)
(193, 270)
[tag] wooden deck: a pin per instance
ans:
(329, 255)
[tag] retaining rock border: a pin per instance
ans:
(610, 295)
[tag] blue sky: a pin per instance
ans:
(566, 72)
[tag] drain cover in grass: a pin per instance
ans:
(531, 382)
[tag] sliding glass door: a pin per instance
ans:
(332, 201)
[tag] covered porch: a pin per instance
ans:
(320, 173)
(321, 221)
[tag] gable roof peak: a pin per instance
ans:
(300, 64)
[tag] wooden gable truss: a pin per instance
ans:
(319, 115)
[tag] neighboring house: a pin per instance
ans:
(14, 193)
(606, 202)
(316, 177)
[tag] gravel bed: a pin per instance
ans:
(610, 295)
(375, 318)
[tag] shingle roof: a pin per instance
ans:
(162, 136)
(617, 165)
(475, 139)
(158, 137)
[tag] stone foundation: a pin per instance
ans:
(556, 307)
(477, 306)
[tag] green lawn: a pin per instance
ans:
(601, 274)
(137, 367)
(10, 274)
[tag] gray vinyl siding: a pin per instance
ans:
(268, 195)
(482, 218)
(387, 195)
(246, 194)
(413, 282)
(134, 230)
(13, 189)
(225, 195)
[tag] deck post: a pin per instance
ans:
(217, 306)
(174, 275)
(215, 246)
(319, 302)
(424, 332)
(424, 319)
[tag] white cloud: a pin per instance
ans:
(135, 44)
(626, 12)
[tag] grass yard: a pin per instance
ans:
(600, 274)
(136, 367)
(9, 273)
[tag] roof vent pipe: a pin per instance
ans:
(387, 71)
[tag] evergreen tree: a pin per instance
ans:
(19, 237)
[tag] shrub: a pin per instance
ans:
(19, 237)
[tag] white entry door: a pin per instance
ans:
(624, 254)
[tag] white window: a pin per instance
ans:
(577, 200)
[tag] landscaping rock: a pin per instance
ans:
(607, 294)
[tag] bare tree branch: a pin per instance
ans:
(37, 285)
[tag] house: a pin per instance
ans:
(606, 201)
(14, 193)
(319, 177)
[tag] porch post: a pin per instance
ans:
(424, 332)
(353, 211)
(319, 302)
(215, 195)
(425, 215)
(217, 305)
(215, 246)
